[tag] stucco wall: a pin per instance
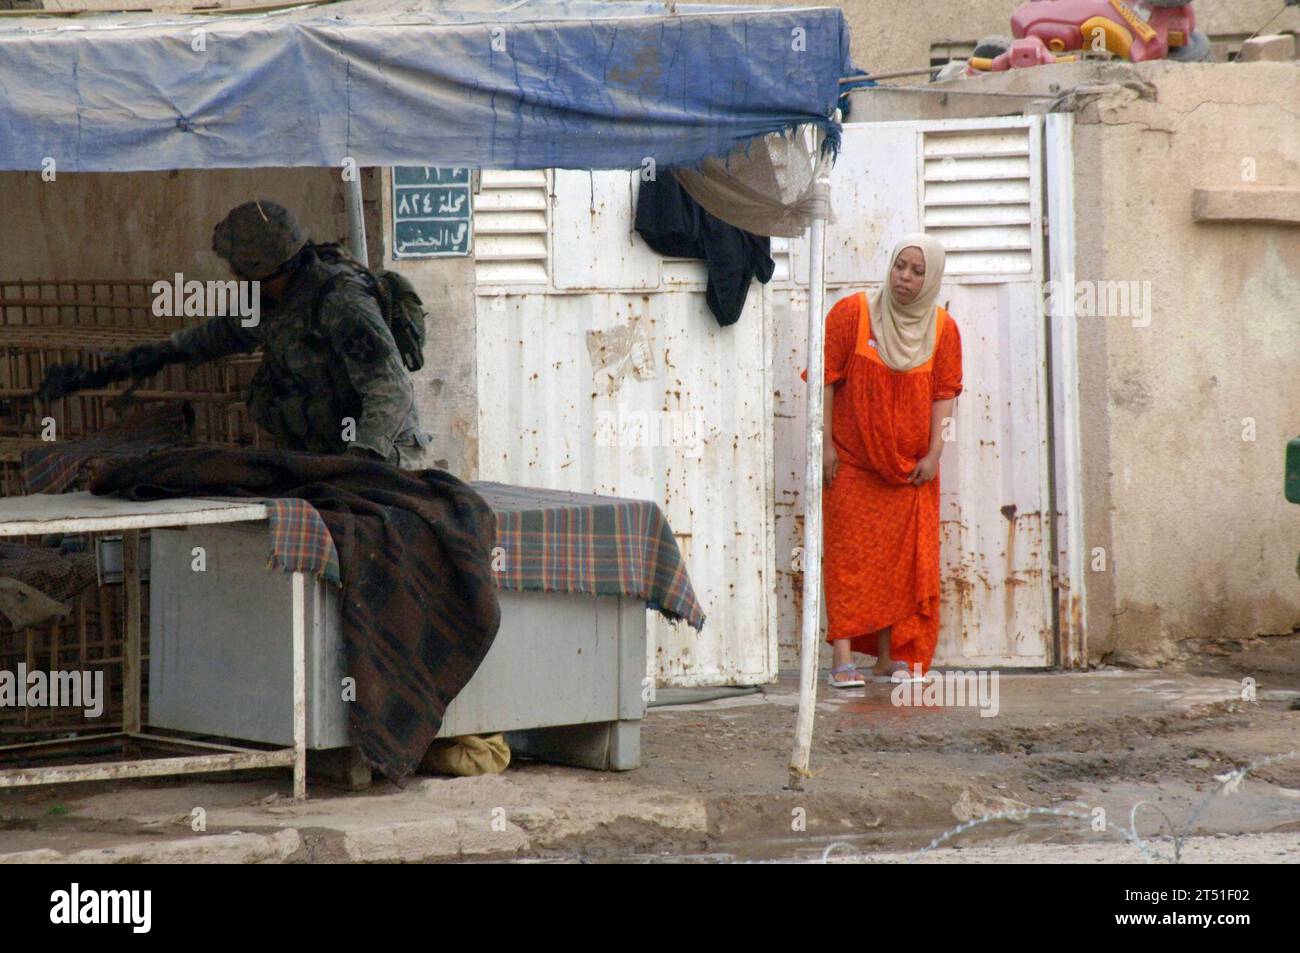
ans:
(1200, 542)
(446, 388)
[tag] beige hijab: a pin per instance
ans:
(905, 333)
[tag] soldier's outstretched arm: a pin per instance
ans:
(215, 338)
(357, 331)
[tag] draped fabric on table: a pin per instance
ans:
(556, 541)
(419, 606)
(63, 465)
(300, 541)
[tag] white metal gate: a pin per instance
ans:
(977, 186)
(601, 370)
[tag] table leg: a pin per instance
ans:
(131, 643)
(299, 686)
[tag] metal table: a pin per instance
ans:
(564, 678)
(40, 514)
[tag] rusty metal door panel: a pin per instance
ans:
(874, 185)
(597, 247)
(626, 390)
(994, 516)
(974, 184)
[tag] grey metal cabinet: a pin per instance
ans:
(564, 676)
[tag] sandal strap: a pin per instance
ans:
(850, 667)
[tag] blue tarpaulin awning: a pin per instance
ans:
(498, 85)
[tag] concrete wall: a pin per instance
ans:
(446, 388)
(1186, 508)
(1185, 498)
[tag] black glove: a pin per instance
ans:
(148, 359)
(63, 379)
(143, 361)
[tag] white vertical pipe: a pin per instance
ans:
(131, 679)
(812, 497)
(1064, 330)
(356, 218)
(299, 686)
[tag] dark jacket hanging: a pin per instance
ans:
(673, 223)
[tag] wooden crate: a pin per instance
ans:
(44, 322)
(90, 639)
(47, 322)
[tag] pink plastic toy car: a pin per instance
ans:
(1054, 31)
(1138, 31)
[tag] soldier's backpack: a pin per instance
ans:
(399, 303)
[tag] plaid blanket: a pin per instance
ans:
(300, 540)
(64, 465)
(419, 608)
(554, 541)
(28, 573)
(61, 576)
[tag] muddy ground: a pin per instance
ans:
(892, 779)
(887, 780)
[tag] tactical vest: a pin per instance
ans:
(301, 393)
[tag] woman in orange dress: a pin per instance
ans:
(893, 372)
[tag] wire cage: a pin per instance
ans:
(44, 322)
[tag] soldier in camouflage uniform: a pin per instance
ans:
(328, 383)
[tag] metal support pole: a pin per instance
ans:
(1063, 341)
(356, 219)
(812, 521)
(299, 686)
(131, 611)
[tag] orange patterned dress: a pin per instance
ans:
(881, 565)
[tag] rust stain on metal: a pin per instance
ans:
(1072, 634)
(965, 591)
(1009, 591)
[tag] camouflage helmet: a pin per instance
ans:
(257, 237)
